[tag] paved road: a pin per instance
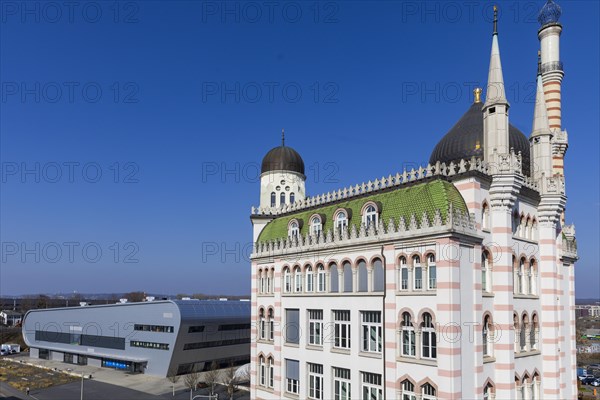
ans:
(8, 393)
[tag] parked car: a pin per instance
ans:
(588, 380)
(3, 352)
(595, 382)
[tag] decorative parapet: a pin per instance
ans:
(456, 220)
(560, 142)
(552, 185)
(509, 162)
(569, 243)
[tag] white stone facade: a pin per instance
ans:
(445, 305)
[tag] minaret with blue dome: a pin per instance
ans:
(552, 76)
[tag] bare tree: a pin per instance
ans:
(134, 297)
(191, 381)
(230, 380)
(211, 376)
(173, 377)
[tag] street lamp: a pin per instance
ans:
(82, 386)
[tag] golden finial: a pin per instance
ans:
(495, 19)
(282, 137)
(477, 95)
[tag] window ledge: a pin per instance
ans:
(370, 355)
(414, 360)
(487, 294)
(486, 230)
(291, 395)
(340, 350)
(527, 353)
(416, 292)
(265, 295)
(333, 294)
(314, 347)
(288, 344)
(532, 241)
(488, 359)
(526, 296)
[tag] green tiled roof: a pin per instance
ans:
(401, 202)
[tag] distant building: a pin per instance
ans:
(154, 337)
(10, 318)
(587, 310)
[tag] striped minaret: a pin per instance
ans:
(552, 76)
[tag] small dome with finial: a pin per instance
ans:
(282, 158)
(550, 13)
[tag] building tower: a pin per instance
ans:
(552, 76)
(541, 135)
(495, 109)
(282, 179)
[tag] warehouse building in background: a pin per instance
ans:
(158, 338)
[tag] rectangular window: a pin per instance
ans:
(196, 329)
(404, 278)
(371, 331)
(315, 327)
(418, 278)
(341, 384)
(149, 345)
(292, 326)
(315, 381)
(371, 386)
(233, 327)
(309, 281)
(432, 277)
(292, 376)
(215, 343)
(271, 373)
(153, 328)
(341, 337)
(321, 280)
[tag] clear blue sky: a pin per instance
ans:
(175, 103)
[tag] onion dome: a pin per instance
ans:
(465, 139)
(282, 158)
(549, 14)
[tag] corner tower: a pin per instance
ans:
(541, 136)
(552, 76)
(282, 179)
(495, 109)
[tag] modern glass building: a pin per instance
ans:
(157, 337)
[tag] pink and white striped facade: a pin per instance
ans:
(496, 294)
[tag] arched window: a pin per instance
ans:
(408, 336)
(408, 390)
(418, 272)
(515, 223)
(294, 230)
(273, 199)
(271, 371)
(485, 217)
(522, 224)
(297, 280)
(271, 325)
(262, 370)
(362, 276)
(521, 277)
(428, 392)
(347, 268)
(516, 327)
(488, 392)
(334, 278)
(432, 272)
(532, 276)
(534, 230)
(535, 387)
(292, 198)
(287, 280)
(528, 228)
(269, 281)
(321, 279)
(484, 272)
(378, 276)
(523, 333)
(261, 281)
(533, 332)
(282, 198)
(403, 274)
(485, 337)
(309, 279)
(315, 225)
(515, 284)
(524, 387)
(263, 324)
(341, 221)
(429, 344)
(370, 216)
